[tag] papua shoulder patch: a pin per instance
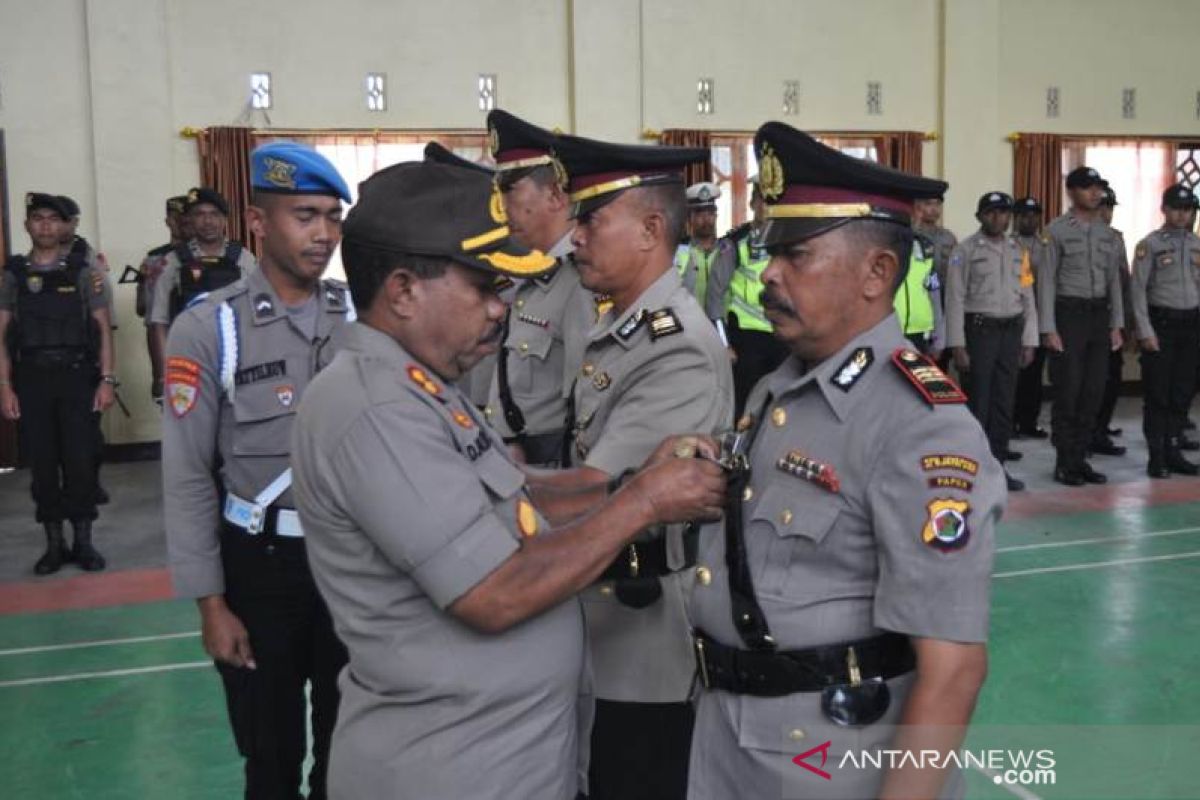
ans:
(853, 368)
(663, 322)
(946, 526)
(421, 378)
(933, 463)
(950, 482)
(260, 372)
(631, 325)
(930, 382)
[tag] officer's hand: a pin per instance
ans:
(1150, 344)
(683, 446)
(1027, 356)
(10, 407)
(104, 397)
(1052, 342)
(1115, 339)
(224, 635)
(962, 361)
(681, 490)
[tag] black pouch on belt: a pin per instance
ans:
(638, 592)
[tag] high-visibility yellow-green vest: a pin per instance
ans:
(914, 306)
(745, 289)
(685, 256)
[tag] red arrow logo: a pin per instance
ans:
(823, 749)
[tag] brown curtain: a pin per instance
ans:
(1037, 170)
(681, 137)
(900, 150)
(225, 166)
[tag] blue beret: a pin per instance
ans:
(293, 168)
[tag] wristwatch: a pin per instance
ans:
(111, 380)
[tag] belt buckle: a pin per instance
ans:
(634, 565)
(698, 642)
(258, 518)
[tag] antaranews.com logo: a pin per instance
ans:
(1005, 767)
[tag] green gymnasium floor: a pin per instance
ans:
(1094, 635)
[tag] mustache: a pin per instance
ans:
(772, 301)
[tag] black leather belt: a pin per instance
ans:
(984, 321)
(1187, 315)
(1083, 303)
(649, 559)
(765, 673)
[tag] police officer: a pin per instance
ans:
(550, 315)
(734, 291)
(918, 301)
(237, 364)
(208, 261)
(1080, 315)
(927, 221)
(653, 362)
(148, 272)
(849, 584)
(449, 573)
(1165, 293)
(1027, 228)
(695, 257)
(992, 321)
(1101, 442)
(62, 379)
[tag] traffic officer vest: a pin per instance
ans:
(746, 286)
(200, 275)
(52, 310)
(914, 306)
(703, 261)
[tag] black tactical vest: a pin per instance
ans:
(52, 309)
(204, 274)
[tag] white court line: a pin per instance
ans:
(47, 648)
(1096, 564)
(1098, 540)
(112, 673)
(1018, 791)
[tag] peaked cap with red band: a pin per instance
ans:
(811, 188)
(599, 171)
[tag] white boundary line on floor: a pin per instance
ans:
(47, 648)
(1096, 564)
(112, 673)
(1017, 791)
(1097, 540)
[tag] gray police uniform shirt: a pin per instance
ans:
(943, 245)
(547, 331)
(247, 430)
(92, 284)
(1166, 273)
(905, 544)
(992, 277)
(158, 310)
(654, 369)
(1084, 261)
(408, 500)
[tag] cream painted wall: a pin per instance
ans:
(100, 121)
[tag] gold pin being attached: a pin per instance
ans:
(778, 417)
(685, 447)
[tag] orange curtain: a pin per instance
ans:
(225, 166)
(1038, 171)
(681, 137)
(900, 150)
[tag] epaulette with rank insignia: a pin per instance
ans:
(663, 322)
(930, 382)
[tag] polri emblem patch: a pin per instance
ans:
(853, 368)
(286, 395)
(946, 527)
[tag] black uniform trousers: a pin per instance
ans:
(1169, 375)
(640, 751)
(759, 353)
(1078, 375)
(994, 348)
(1112, 391)
(59, 431)
(1028, 405)
(269, 587)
